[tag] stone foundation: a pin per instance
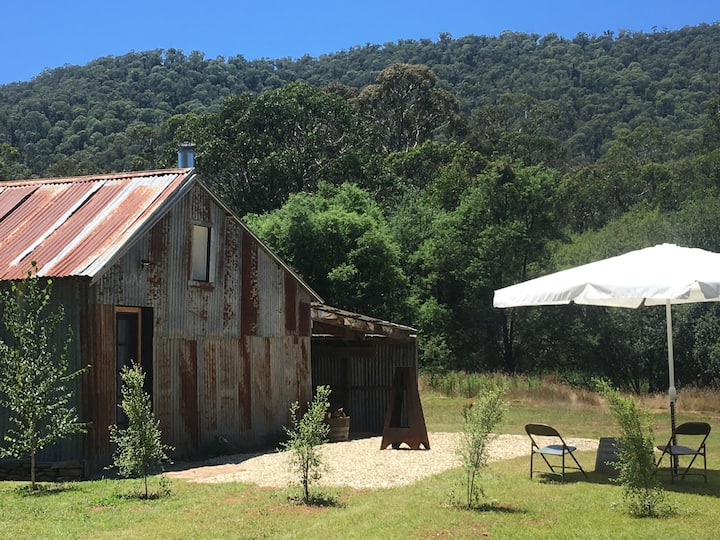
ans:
(61, 471)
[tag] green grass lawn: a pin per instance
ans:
(522, 508)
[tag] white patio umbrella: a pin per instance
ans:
(662, 275)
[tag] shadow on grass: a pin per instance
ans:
(138, 495)
(492, 507)
(570, 478)
(692, 484)
(43, 490)
(318, 499)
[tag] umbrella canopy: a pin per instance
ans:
(662, 275)
(650, 276)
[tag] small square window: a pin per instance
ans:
(200, 253)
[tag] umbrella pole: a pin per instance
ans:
(672, 392)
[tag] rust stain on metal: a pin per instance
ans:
(290, 306)
(210, 376)
(74, 226)
(100, 380)
(244, 389)
(249, 295)
(303, 372)
(305, 326)
(157, 256)
(189, 393)
(232, 271)
(265, 381)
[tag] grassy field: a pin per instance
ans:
(522, 508)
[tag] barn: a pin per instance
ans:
(151, 266)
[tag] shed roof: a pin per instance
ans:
(336, 322)
(78, 226)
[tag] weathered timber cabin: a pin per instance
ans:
(150, 266)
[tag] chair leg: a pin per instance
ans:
(659, 461)
(578, 465)
(552, 469)
(688, 467)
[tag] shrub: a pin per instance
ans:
(636, 462)
(139, 447)
(305, 435)
(482, 416)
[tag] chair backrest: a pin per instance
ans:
(693, 428)
(542, 430)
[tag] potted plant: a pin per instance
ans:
(339, 422)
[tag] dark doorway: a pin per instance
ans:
(133, 342)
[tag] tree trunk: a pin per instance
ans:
(32, 470)
(508, 352)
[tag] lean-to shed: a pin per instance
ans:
(151, 266)
(357, 355)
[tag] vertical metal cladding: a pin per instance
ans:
(100, 383)
(66, 295)
(229, 355)
(360, 375)
(189, 394)
(291, 291)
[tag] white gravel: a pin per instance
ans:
(358, 463)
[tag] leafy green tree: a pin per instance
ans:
(10, 166)
(406, 108)
(304, 436)
(499, 229)
(258, 150)
(592, 87)
(339, 241)
(519, 125)
(139, 445)
(35, 378)
(711, 125)
(636, 462)
(482, 417)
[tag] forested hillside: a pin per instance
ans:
(108, 114)
(409, 180)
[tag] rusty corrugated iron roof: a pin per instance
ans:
(77, 226)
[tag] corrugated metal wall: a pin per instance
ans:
(70, 295)
(360, 375)
(226, 361)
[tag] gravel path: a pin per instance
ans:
(358, 463)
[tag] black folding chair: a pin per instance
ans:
(562, 449)
(689, 430)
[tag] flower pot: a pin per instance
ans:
(339, 428)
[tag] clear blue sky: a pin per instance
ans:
(44, 34)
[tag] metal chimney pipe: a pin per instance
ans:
(186, 156)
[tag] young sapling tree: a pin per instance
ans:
(481, 418)
(35, 378)
(139, 445)
(636, 461)
(304, 436)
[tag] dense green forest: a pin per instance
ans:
(410, 180)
